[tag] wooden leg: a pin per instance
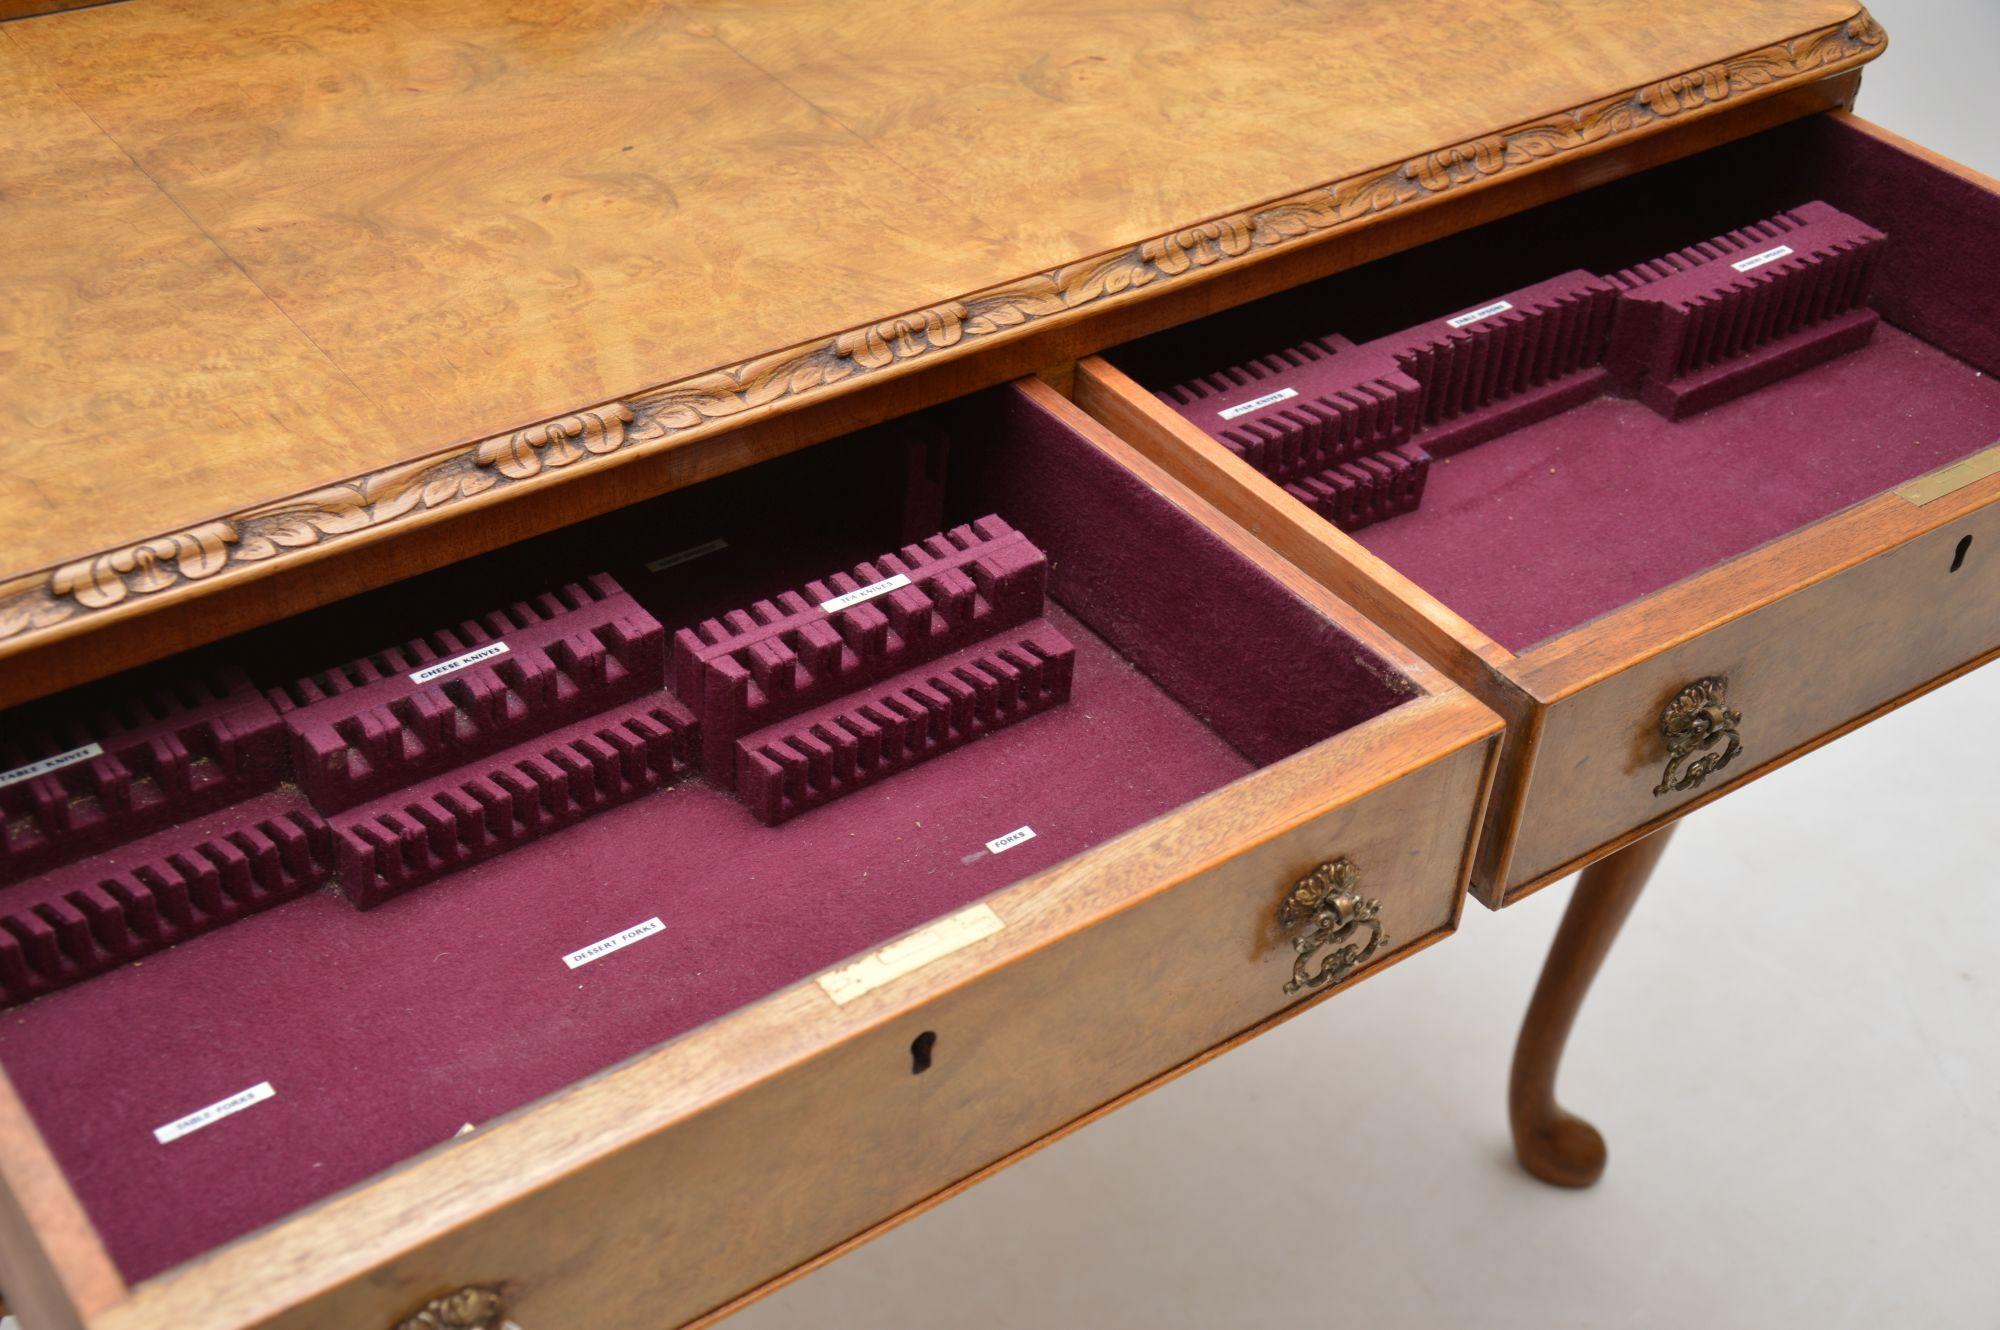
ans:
(1556, 1146)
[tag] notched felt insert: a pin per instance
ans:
(174, 747)
(82, 919)
(1725, 317)
(838, 748)
(1304, 409)
(419, 834)
(1357, 494)
(753, 667)
(1521, 358)
(362, 729)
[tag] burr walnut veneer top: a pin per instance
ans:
(252, 250)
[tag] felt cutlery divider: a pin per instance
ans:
(1351, 430)
(824, 689)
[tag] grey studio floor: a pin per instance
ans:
(1794, 1053)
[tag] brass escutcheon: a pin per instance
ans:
(1693, 724)
(1326, 900)
(470, 1308)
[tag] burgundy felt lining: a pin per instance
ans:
(1534, 533)
(1635, 502)
(384, 1031)
(1262, 667)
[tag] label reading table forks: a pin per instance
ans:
(1257, 403)
(44, 766)
(215, 1112)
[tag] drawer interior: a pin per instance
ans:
(1553, 489)
(384, 1031)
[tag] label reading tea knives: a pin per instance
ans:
(869, 592)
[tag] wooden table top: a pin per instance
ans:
(279, 274)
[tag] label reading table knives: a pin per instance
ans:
(44, 766)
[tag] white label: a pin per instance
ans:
(215, 1112)
(444, 667)
(1257, 403)
(616, 942)
(1759, 260)
(1483, 312)
(48, 764)
(1001, 844)
(661, 564)
(914, 952)
(869, 592)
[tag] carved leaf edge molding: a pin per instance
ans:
(42, 601)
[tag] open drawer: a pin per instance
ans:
(1686, 475)
(1027, 814)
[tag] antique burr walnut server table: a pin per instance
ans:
(637, 639)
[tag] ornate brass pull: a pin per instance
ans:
(1325, 899)
(1693, 724)
(470, 1308)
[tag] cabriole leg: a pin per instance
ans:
(1554, 1145)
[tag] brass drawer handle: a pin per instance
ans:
(470, 1308)
(1693, 724)
(1325, 898)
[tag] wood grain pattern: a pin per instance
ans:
(56, 1271)
(1065, 1009)
(1810, 631)
(442, 206)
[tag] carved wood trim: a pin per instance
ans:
(57, 599)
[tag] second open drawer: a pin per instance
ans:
(1668, 585)
(1073, 787)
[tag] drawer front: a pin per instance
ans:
(1082, 1005)
(1791, 673)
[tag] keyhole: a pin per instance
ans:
(920, 1052)
(1958, 559)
